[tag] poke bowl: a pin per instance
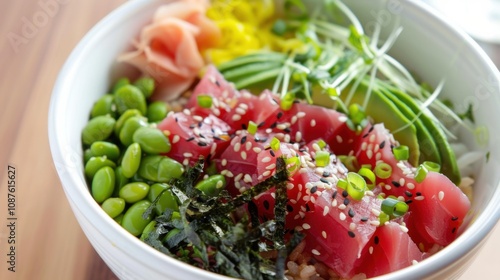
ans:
(442, 146)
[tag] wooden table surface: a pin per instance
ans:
(36, 40)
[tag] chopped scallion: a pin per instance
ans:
(394, 207)
(204, 101)
(401, 152)
(421, 173)
(322, 158)
(432, 166)
(252, 127)
(369, 175)
(321, 143)
(356, 185)
(383, 170)
(287, 101)
(275, 144)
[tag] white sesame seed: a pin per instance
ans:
(312, 199)
(441, 195)
(420, 197)
(260, 177)
(240, 111)
(403, 228)
(266, 159)
(342, 118)
(342, 216)
(402, 181)
(238, 177)
(378, 156)
(302, 214)
(266, 173)
(271, 166)
(410, 186)
(289, 186)
(306, 226)
(315, 252)
(313, 123)
(281, 126)
(306, 198)
(273, 195)
(236, 117)
(370, 147)
(298, 136)
(339, 139)
(187, 155)
(352, 226)
(248, 145)
(293, 120)
(372, 138)
(301, 115)
(185, 161)
(326, 210)
(323, 233)
(375, 212)
(237, 147)
(287, 138)
(213, 148)
(167, 133)
(223, 162)
(342, 206)
(369, 154)
(175, 139)
(296, 217)
(243, 106)
(186, 112)
(387, 187)
(257, 150)
(243, 155)
(370, 250)
(247, 178)
(198, 118)
(216, 112)
(375, 223)
(316, 147)
(363, 146)
(334, 203)
(414, 262)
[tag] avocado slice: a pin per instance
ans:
(382, 110)
(449, 165)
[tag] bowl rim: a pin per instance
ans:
(83, 202)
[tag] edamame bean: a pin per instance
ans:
(152, 140)
(212, 186)
(103, 184)
(98, 129)
(123, 118)
(166, 200)
(108, 149)
(130, 97)
(133, 220)
(96, 163)
(157, 111)
(119, 218)
(133, 192)
(104, 106)
(120, 180)
(113, 206)
(131, 160)
(87, 154)
(146, 85)
(160, 168)
(128, 129)
(148, 229)
(121, 82)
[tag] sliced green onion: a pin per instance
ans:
(401, 152)
(252, 127)
(356, 114)
(350, 162)
(287, 101)
(394, 207)
(204, 101)
(421, 173)
(356, 186)
(275, 144)
(292, 164)
(367, 166)
(321, 143)
(342, 183)
(322, 158)
(383, 170)
(383, 217)
(368, 174)
(432, 166)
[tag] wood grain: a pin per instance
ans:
(49, 241)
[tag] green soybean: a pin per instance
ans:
(103, 148)
(166, 199)
(120, 180)
(130, 97)
(124, 117)
(96, 163)
(152, 140)
(87, 154)
(120, 83)
(212, 186)
(119, 218)
(104, 106)
(146, 85)
(160, 168)
(131, 160)
(113, 206)
(128, 129)
(103, 184)
(133, 192)
(133, 220)
(148, 229)
(98, 129)
(157, 111)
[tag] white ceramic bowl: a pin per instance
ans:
(428, 46)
